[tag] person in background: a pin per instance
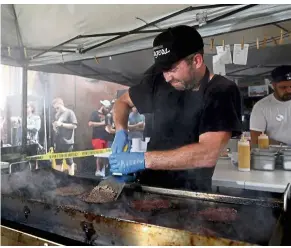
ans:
(33, 124)
(113, 101)
(272, 114)
(3, 128)
(109, 124)
(110, 127)
(64, 126)
(99, 135)
(136, 124)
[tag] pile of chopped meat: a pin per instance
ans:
(100, 194)
(70, 190)
(218, 214)
(150, 205)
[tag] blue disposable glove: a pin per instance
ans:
(127, 163)
(121, 142)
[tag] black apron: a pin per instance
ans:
(174, 127)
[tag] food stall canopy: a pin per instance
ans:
(113, 42)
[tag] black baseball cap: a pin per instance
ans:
(175, 44)
(281, 73)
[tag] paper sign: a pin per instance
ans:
(240, 56)
(225, 54)
(218, 65)
(261, 90)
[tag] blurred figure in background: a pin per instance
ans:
(3, 128)
(64, 126)
(33, 124)
(136, 124)
(109, 125)
(101, 138)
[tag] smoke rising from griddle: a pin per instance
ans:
(32, 183)
(253, 224)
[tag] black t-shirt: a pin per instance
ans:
(180, 117)
(98, 132)
(148, 125)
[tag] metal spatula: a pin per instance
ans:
(115, 181)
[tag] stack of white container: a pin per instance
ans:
(138, 145)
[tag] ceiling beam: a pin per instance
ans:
(279, 26)
(190, 8)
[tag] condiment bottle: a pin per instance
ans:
(244, 155)
(263, 141)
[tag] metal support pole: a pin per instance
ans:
(48, 101)
(24, 109)
(45, 121)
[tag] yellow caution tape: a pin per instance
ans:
(64, 155)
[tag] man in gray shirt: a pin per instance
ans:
(272, 114)
(136, 123)
(64, 127)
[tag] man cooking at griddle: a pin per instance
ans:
(195, 113)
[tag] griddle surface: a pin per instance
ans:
(253, 224)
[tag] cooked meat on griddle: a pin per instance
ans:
(72, 207)
(83, 196)
(205, 231)
(100, 194)
(218, 214)
(70, 190)
(150, 205)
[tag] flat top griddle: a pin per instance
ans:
(254, 224)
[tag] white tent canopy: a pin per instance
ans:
(34, 29)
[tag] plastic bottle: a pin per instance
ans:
(244, 155)
(263, 141)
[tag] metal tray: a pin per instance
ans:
(263, 152)
(287, 163)
(266, 163)
(286, 152)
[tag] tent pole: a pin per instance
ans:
(20, 42)
(165, 18)
(53, 48)
(207, 36)
(279, 26)
(144, 26)
(24, 85)
(45, 117)
(24, 109)
(230, 13)
(134, 31)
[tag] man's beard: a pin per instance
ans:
(286, 97)
(186, 85)
(192, 85)
(283, 98)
